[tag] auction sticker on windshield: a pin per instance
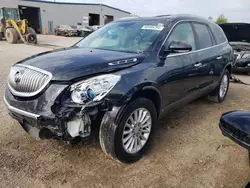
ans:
(153, 27)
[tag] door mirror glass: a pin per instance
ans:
(178, 47)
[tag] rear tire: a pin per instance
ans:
(31, 30)
(66, 34)
(31, 38)
(220, 92)
(127, 140)
(11, 35)
(1, 36)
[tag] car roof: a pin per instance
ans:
(164, 18)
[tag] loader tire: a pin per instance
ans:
(11, 35)
(31, 30)
(1, 36)
(31, 38)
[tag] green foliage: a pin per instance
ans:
(221, 19)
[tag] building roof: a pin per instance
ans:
(68, 3)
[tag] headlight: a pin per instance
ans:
(93, 89)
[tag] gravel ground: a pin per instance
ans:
(188, 149)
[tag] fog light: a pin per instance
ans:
(248, 64)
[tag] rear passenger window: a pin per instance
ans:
(219, 34)
(204, 37)
(182, 32)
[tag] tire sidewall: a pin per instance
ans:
(28, 38)
(120, 152)
(10, 37)
(13, 35)
(221, 99)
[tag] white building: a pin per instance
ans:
(44, 16)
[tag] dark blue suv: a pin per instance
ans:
(119, 80)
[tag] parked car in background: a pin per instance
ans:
(95, 27)
(83, 31)
(120, 80)
(238, 35)
(65, 30)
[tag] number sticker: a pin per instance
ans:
(153, 27)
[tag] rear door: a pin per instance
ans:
(208, 57)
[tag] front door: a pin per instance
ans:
(179, 80)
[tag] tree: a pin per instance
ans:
(221, 19)
(211, 18)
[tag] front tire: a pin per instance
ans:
(11, 35)
(128, 139)
(220, 93)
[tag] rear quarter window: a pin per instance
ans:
(219, 34)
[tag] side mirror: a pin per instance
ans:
(178, 47)
(236, 126)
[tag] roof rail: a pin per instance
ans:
(164, 15)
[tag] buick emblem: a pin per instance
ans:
(18, 77)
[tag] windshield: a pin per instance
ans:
(134, 37)
(10, 14)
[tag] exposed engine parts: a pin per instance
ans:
(79, 126)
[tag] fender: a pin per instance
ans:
(227, 65)
(139, 88)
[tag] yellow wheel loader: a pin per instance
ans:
(14, 29)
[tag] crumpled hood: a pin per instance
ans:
(237, 32)
(72, 63)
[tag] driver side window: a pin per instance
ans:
(182, 32)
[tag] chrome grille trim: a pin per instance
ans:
(19, 111)
(37, 79)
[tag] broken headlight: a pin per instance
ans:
(93, 89)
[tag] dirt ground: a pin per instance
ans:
(188, 149)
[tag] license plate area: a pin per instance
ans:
(26, 124)
(23, 119)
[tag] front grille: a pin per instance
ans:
(27, 81)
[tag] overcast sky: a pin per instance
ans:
(234, 10)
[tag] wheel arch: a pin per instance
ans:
(229, 68)
(145, 90)
(151, 93)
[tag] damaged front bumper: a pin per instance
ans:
(67, 126)
(46, 119)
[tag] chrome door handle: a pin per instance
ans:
(219, 57)
(197, 64)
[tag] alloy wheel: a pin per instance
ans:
(223, 86)
(137, 130)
